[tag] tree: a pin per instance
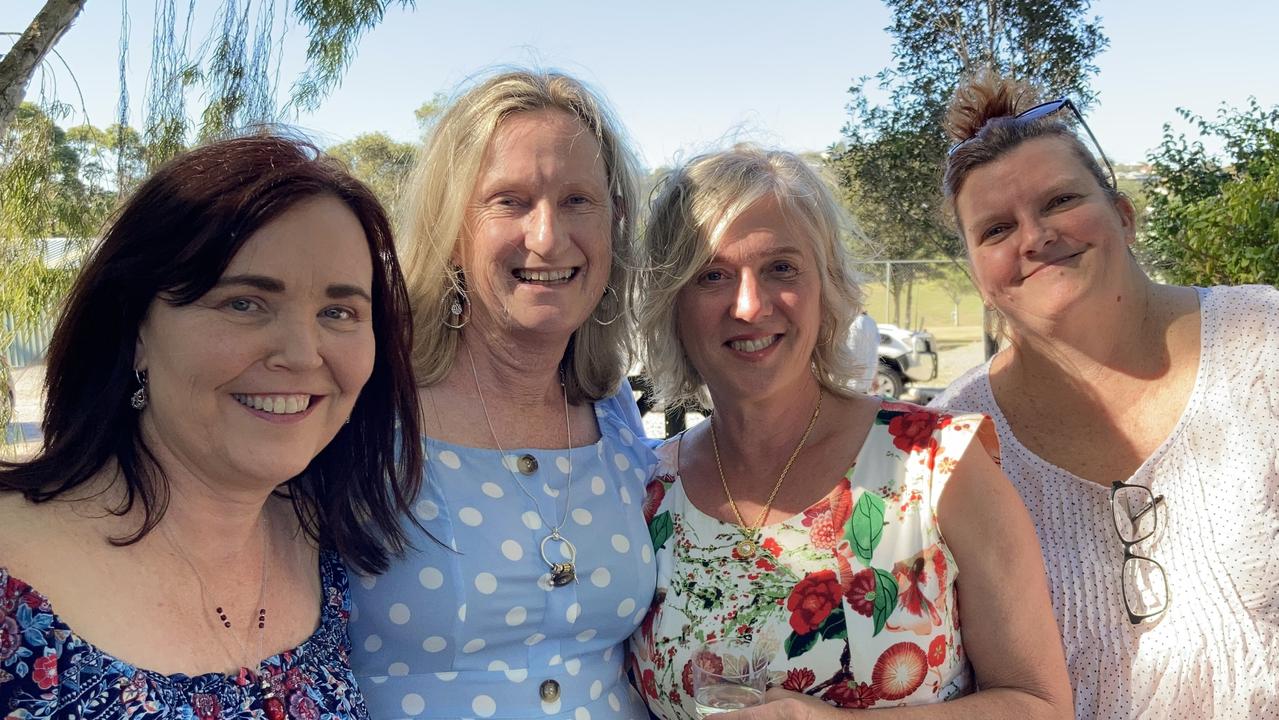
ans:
(889, 162)
(19, 64)
(382, 163)
(1216, 220)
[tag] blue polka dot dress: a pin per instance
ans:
(478, 629)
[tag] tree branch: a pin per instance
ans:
(20, 63)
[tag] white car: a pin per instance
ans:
(904, 356)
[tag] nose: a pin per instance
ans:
(546, 230)
(295, 345)
(1037, 235)
(750, 302)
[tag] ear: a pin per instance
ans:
(1127, 216)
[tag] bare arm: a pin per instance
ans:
(1009, 632)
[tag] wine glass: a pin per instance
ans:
(728, 674)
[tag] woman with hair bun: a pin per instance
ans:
(1139, 421)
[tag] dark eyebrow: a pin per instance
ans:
(261, 282)
(272, 285)
(339, 292)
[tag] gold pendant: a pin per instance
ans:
(746, 549)
(562, 574)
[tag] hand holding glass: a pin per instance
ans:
(728, 675)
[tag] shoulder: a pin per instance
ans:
(969, 391)
(1241, 306)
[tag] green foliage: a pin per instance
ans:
(382, 163)
(889, 163)
(54, 183)
(1216, 220)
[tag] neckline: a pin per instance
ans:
(600, 416)
(319, 641)
(790, 519)
(1193, 400)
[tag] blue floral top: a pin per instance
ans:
(47, 671)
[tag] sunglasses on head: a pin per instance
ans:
(1043, 110)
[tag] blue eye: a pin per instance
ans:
(242, 304)
(339, 313)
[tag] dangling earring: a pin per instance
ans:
(616, 314)
(458, 316)
(139, 398)
(456, 320)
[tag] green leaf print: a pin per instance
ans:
(866, 527)
(797, 645)
(660, 529)
(835, 626)
(885, 599)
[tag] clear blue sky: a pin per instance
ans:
(684, 76)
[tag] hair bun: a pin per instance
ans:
(983, 96)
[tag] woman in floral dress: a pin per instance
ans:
(846, 537)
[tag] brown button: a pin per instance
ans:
(527, 464)
(549, 691)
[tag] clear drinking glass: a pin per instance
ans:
(729, 674)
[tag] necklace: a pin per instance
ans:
(271, 703)
(562, 573)
(748, 545)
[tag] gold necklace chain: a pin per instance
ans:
(748, 547)
(562, 573)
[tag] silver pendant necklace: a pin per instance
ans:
(562, 573)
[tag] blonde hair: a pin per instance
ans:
(443, 178)
(694, 206)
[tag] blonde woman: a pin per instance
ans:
(522, 211)
(848, 538)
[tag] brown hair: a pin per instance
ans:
(982, 118)
(172, 240)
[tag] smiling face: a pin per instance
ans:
(1041, 233)
(248, 383)
(536, 251)
(748, 320)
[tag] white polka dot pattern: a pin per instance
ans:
(1215, 651)
(474, 633)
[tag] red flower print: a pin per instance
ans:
(919, 593)
(654, 492)
(851, 694)
(899, 671)
(10, 637)
(45, 671)
(770, 544)
(861, 594)
(812, 600)
(649, 682)
(686, 678)
(913, 430)
(937, 651)
(798, 679)
(765, 564)
(674, 697)
(826, 518)
(303, 707)
(206, 706)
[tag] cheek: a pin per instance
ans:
(352, 361)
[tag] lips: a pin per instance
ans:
(750, 345)
(1050, 263)
(282, 404)
(545, 277)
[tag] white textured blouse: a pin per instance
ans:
(1215, 652)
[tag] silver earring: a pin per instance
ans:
(617, 313)
(455, 320)
(139, 398)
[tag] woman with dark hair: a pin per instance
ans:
(230, 415)
(1139, 421)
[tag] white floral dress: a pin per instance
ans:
(854, 596)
